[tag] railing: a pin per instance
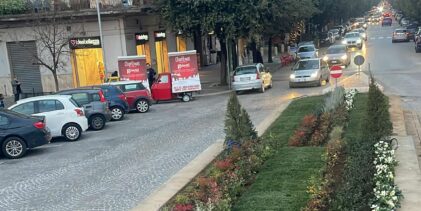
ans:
(75, 5)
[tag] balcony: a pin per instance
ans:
(16, 7)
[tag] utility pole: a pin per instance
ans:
(104, 57)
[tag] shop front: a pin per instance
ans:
(142, 46)
(161, 49)
(87, 61)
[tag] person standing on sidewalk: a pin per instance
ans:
(1, 101)
(16, 88)
(151, 74)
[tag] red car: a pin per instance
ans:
(138, 96)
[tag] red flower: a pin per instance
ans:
(183, 207)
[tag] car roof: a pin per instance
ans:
(248, 65)
(47, 97)
(318, 59)
(337, 46)
(399, 29)
(81, 89)
(307, 45)
(122, 82)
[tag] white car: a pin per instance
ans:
(62, 114)
(353, 39)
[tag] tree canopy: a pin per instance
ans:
(410, 8)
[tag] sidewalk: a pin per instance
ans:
(408, 174)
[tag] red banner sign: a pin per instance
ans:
(184, 71)
(133, 68)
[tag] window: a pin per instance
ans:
(81, 98)
(245, 70)
(3, 120)
(25, 108)
(49, 105)
(163, 79)
(96, 97)
(133, 87)
(306, 49)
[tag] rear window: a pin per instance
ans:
(111, 90)
(245, 70)
(74, 103)
(81, 98)
(306, 49)
(336, 50)
(400, 31)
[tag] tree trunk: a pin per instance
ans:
(223, 62)
(198, 46)
(56, 81)
(234, 54)
(270, 50)
(253, 46)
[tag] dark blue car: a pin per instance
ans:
(117, 101)
(19, 132)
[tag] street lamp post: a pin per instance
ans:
(101, 37)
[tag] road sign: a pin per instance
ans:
(359, 60)
(336, 71)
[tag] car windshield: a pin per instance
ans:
(306, 49)
(351, 35)
(245, 70)
(307, 65)
(336, 50)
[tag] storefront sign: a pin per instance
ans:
(85, 42)
(133, 68)
(160, 35)
(142, 38)
(184, 71)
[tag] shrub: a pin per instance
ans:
(238, 126)
(303, 133)
(322, 130)
(12, 7)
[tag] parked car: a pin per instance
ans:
(138, 96)
(251, 77)
(387, 21)
(341, 30)
(400, 35)
(326, 39)
(362, 33)
(117, 101)
(94, 104)
(19, 132)
(337, 55)
(62, 114)
(404, 22)
(335, 33)
(412, 30)
(307, 52)
(353, 39)
(417, 46)
(309, 72)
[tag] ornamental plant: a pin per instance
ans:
(387, 195)
(302, 135)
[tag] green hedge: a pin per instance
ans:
(12, 7)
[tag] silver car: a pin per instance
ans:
(309, 72)
(353, 39)
(337, 55)
(400, 35)
(307, 52)
(251, 77)
(362, 33)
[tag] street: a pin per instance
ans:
(116, 168)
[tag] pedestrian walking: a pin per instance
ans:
(151, 74)
(17, 90)
(1, 101)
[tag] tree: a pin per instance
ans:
(228, 19)
(49, 29)
(238, 126)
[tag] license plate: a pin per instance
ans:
(245, 79)
(301, 79)
(334, 62)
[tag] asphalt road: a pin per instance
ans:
(118, 167)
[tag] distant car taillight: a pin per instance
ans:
(101, 96)
(122, 97)
(79, 112)
(39, 125)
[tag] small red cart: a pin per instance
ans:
(181, 82)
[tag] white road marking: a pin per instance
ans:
(381, 37)
(389, 37)
(372, 38)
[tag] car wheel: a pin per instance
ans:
(142, 106)
(262, 89)
(97, 122)
(13, 148)
(71, 132)
(186, 98)
(117, 113)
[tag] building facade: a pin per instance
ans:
(127, 30)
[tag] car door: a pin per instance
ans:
(161, 89)
(4, 126)
(55, 115)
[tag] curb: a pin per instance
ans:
(213, 94)
(183, 177)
